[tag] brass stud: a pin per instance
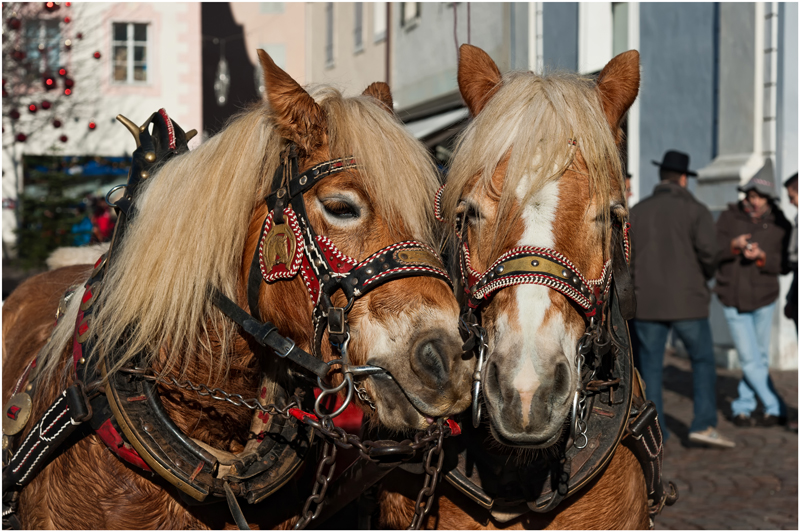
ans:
(353, 281)
(534, 263)
(575, 280)
(147, 427)
(29, 387)
(150, 157)
(369, 271)
(145, 174)
(82, 360)
(565, 273)
(303, 180)
(6, 442)
(500, 269)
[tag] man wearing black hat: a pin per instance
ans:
(674, 255)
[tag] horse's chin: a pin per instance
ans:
(397, 409)
(528, 440)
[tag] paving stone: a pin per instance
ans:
(750, 487)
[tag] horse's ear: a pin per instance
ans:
(478, 77)
(297, 115)
(381, 92)
(617, 86)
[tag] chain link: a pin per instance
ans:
(428, 491)
(317, 496)
(214, 393)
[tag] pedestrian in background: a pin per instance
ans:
(753, 236)
(674, 256)
(790, 309)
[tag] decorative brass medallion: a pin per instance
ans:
(16, 413)
(279, 247)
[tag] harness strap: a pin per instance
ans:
(266, 334)
(68, 412)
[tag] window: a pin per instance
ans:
(379, 12)
(42, 42)
(129, 52)
(270, 8)
(410, 12)
(358, 26)
(329, 34)
(619, 18)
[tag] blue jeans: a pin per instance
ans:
(750, 332)
(651, 339)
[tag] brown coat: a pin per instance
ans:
(743, 283)
(674, 253)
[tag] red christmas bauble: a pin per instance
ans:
(32, 108)
(79, 36)
(49, 82)
(67, 92)
(56, 123)
(62, 72)
(68, 4)
(92, 125)
(63, 138)
(22, 137)
(96, 55)
(14, 114)
(69, 83)
(14, 23)
(19, 55)
(51, 6)
(67, 20)
(46, 104)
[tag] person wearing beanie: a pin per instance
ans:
(753, 236)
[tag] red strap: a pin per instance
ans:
(300, 415)
(455, 428)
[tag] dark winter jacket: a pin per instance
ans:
(745, 284)
(674, 251)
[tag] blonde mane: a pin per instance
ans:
(192, 220)
(532, 118)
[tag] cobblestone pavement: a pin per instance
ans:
(752, 486)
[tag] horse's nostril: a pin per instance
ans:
(429, 357)
(560, 381)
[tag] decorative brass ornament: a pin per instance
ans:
(192, 133)
(16, 413)
(279, 247)
(417, 257)
(84, 329)
(150, 157)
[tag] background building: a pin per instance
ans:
(126, 58)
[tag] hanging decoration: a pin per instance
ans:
(92, 125)
(56, 123)
(63, 138)
(46, 104)
(22, 137)
(49, 82)
(32, 108)
(97, 55)
(222, 79)
(14, 114)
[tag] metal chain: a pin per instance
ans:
(428, 491)
(214, 393)
(317, 496)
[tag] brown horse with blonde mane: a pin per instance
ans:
(199, 219)
(535, 194)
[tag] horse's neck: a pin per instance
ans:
(217, 422)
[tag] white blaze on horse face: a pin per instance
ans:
(533, 340)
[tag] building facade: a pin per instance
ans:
(347, 44)
(125, 58)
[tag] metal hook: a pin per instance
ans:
(108, 195)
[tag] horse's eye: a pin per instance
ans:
(340, 209)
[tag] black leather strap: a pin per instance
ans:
(267, 335)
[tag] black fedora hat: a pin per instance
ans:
(676, 161)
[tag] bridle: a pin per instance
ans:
(540, 266)
(288, 246)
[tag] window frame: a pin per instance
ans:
(358, 27)
(41, 25)
(410, 22)
(330, 56)
(130, 62)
